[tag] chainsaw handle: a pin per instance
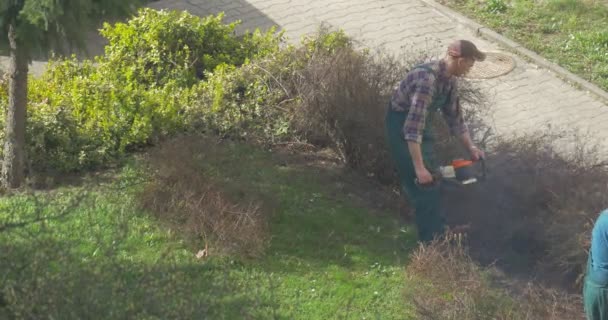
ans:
(482, 160)
(435, 182)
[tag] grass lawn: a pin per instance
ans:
(571, 33)
(104, 258)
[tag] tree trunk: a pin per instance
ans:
(14, 144)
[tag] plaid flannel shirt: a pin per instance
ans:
(415, 94)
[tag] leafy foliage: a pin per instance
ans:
(158, 46)
(85, 114)
(46, 24)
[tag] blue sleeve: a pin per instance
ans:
(599, 241)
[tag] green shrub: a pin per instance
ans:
(262, 99)
(244, 103)
(84, 114)
(79, 117)
(160, 46)
(326, 41)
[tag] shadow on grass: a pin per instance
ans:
(108, 260)
(43, 282)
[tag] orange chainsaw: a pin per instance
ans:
(460, 172)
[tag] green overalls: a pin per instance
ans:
(426, 200)
(595, 293)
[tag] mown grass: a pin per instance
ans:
(106, 258)
(571, 33)
(330, 255)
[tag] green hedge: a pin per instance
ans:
(85, 114)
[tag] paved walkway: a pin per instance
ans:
(527, 99)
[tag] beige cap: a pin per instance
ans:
(465, 49)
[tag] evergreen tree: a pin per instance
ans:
(34, 27)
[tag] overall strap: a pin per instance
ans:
(427, 68)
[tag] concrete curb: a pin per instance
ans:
(491, 35)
